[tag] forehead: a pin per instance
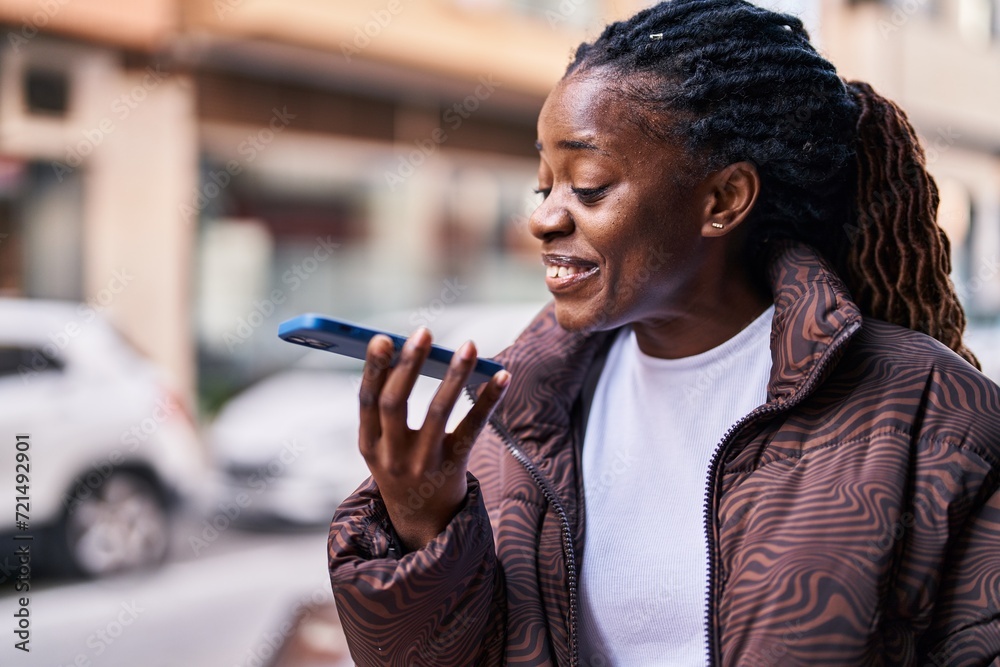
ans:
(587, 107)
(595, 107)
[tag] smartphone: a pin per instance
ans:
(350, 339)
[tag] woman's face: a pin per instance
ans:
(621, 240)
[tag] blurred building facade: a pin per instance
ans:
(202, 169)
(940, 60)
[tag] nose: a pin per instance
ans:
(550, 220)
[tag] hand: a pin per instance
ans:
(420, 473)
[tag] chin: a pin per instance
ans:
(577, 319)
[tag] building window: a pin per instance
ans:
(46, 92)
(977, 21)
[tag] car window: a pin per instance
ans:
(16, 359)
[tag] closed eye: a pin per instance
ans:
(590, 195)
(544, 192)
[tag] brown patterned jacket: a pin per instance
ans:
(853, 519)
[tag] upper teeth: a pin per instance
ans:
(562, 271)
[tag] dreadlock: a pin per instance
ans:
(840, 166)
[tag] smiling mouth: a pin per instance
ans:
(554, 271)
(563, 273)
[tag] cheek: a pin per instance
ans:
(659, 252)
(644, 274)
(650, 237)
(670, 227)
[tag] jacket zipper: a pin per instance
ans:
(567, 533)
(711, 488)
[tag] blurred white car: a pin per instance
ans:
(286, 448)
(111, 449)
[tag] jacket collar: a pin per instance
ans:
(813, 316)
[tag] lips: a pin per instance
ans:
(565, 272)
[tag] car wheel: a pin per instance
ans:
(123, 525)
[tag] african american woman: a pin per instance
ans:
(745, 432)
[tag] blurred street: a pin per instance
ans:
(177, 177)
(222, 608)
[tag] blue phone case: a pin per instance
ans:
(347, 338)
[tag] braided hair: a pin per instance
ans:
(841, 168)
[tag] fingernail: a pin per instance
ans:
(503, 379)
(419, 336)
(465, 352)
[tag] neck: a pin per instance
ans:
(706, 319)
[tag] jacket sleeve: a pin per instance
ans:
(441, 605)
(968, 610)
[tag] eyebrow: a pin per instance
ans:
(573, 145)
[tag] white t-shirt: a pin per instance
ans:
(653, 428)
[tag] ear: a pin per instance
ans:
(732, 192)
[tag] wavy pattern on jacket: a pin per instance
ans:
(857, 518)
